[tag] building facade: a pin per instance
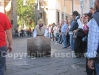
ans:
(53, 11)
(76, 6)
(92, 3)
(9, 7)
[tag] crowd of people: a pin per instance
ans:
(81, 34)
(22, 32)
(55, 32)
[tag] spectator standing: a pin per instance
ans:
(71, 33)
(49, 31)
(56, 31)
(64, 30)
(93, 40)
(13, 33)
(60, 40)
(87, 17)
(53, 31)
(30, 32)
(68, 36)
(16, 32)
(77, 29)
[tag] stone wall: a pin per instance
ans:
(76, 6)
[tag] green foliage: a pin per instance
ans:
(26, 12)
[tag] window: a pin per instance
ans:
(66, 17)
(40, 15)
(62, 16)
(57, 17)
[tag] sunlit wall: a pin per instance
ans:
(2, 6)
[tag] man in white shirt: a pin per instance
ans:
(93, 40)
(49, 31)
(40, 29)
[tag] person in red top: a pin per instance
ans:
(5, 35)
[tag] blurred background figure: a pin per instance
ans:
(64, 30)
(71, 32)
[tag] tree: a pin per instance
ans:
(26, 12)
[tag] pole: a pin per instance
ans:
(37, 8)
(64, 10)
(82, 11)
(72, 5)
(81, 7)
(35, 15)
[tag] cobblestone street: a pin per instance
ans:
(54, 65)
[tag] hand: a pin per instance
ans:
(91, 64)
(75, 31)
(81, 19)
(9, 49)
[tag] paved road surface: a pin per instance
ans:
(58, 64)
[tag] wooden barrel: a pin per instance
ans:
(38, 46)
